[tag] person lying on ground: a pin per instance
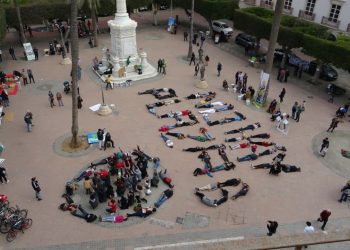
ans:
(218, 109)
(237, 117)
(167, 141)
(179, 136)
(249, 127)
(244, 190)
(248, 137)
(262, 143)
(213, 202)
(206, 105)
(158, 91)
(275, 169)
(113, 218)
(267, 152)
(213, 186)
(249, 157)
(225, 166)
(78, 211)
(223, 155)
(167, 194)
(279, 158)
(204, 156)
(241, 145)
(174, 114)
(208, 95)
(152, 107)
(198, 138)
(180, 123)
(165, 178)
(143, 213)
(198, 149)
(290, 168)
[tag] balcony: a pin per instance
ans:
(288, 11)
(250, 2)
(306, 16)
(265, 5)
(327, 22)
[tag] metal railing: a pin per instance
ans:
(306, 15)
(328, 22)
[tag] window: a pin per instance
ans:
(334, 13)
(310, 5)
(288, 4)
(268, 2)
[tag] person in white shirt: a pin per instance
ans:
(308, 229)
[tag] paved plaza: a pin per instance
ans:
(290, 198)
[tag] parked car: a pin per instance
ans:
(222, 28)
(245, 40)
(327, 73)
(163, 7)
(143, 8)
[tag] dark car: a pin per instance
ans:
(327, 73)
(245, 40)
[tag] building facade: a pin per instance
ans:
(334, 14)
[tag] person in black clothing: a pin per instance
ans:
(36, 187)
(185, 36)
(219, 68)
(167, 194)
(325, 144)
(193, 59)
(12, 53)
(244, 190)
(108, 138)
(80, 102)
(100, 134)
(272, 227)
(36, 53)
(282, 94)
(3, 178)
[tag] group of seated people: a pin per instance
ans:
(123, 181)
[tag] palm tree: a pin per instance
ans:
(274, 35)
(21, 30)
(190, 49)
(75, 142)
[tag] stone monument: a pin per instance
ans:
(202, 84)
(124, 58)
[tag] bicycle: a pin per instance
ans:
(20, 225)
(11, 218)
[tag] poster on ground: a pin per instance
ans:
(29, 51)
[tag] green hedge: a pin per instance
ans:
(2, 23)
(296, 33)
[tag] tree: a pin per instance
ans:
(190, 49)
(155, 6)
(274, 35)
(93, 6)
(75, 142)
(19, 17)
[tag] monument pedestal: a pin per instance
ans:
(202, 84)
(104, 110)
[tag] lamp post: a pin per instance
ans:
(104, 108)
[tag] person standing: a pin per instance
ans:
(24, 77)
(66, 43)
(185, 36)
(164, 66)
(12, 53)
(3, 175)
(80, 102)
(202, 40)
(282, 94)
(37, 189)
(0, 55)
(294, 110)
(219, 68)
(100, 135)
(324, 146)
(30, 75)
(334, 123)
(30, 31)
(196, 69)
(28, 119)
(59, 98)
(300, 109)
(324, 215)
(286, 75)
(272, 227)
(193, 59)
(36, 53)
(109, 82)
(308, 229)
(51, 99)
(159, 65)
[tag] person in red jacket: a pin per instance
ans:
(324, 215)
(112, 206)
